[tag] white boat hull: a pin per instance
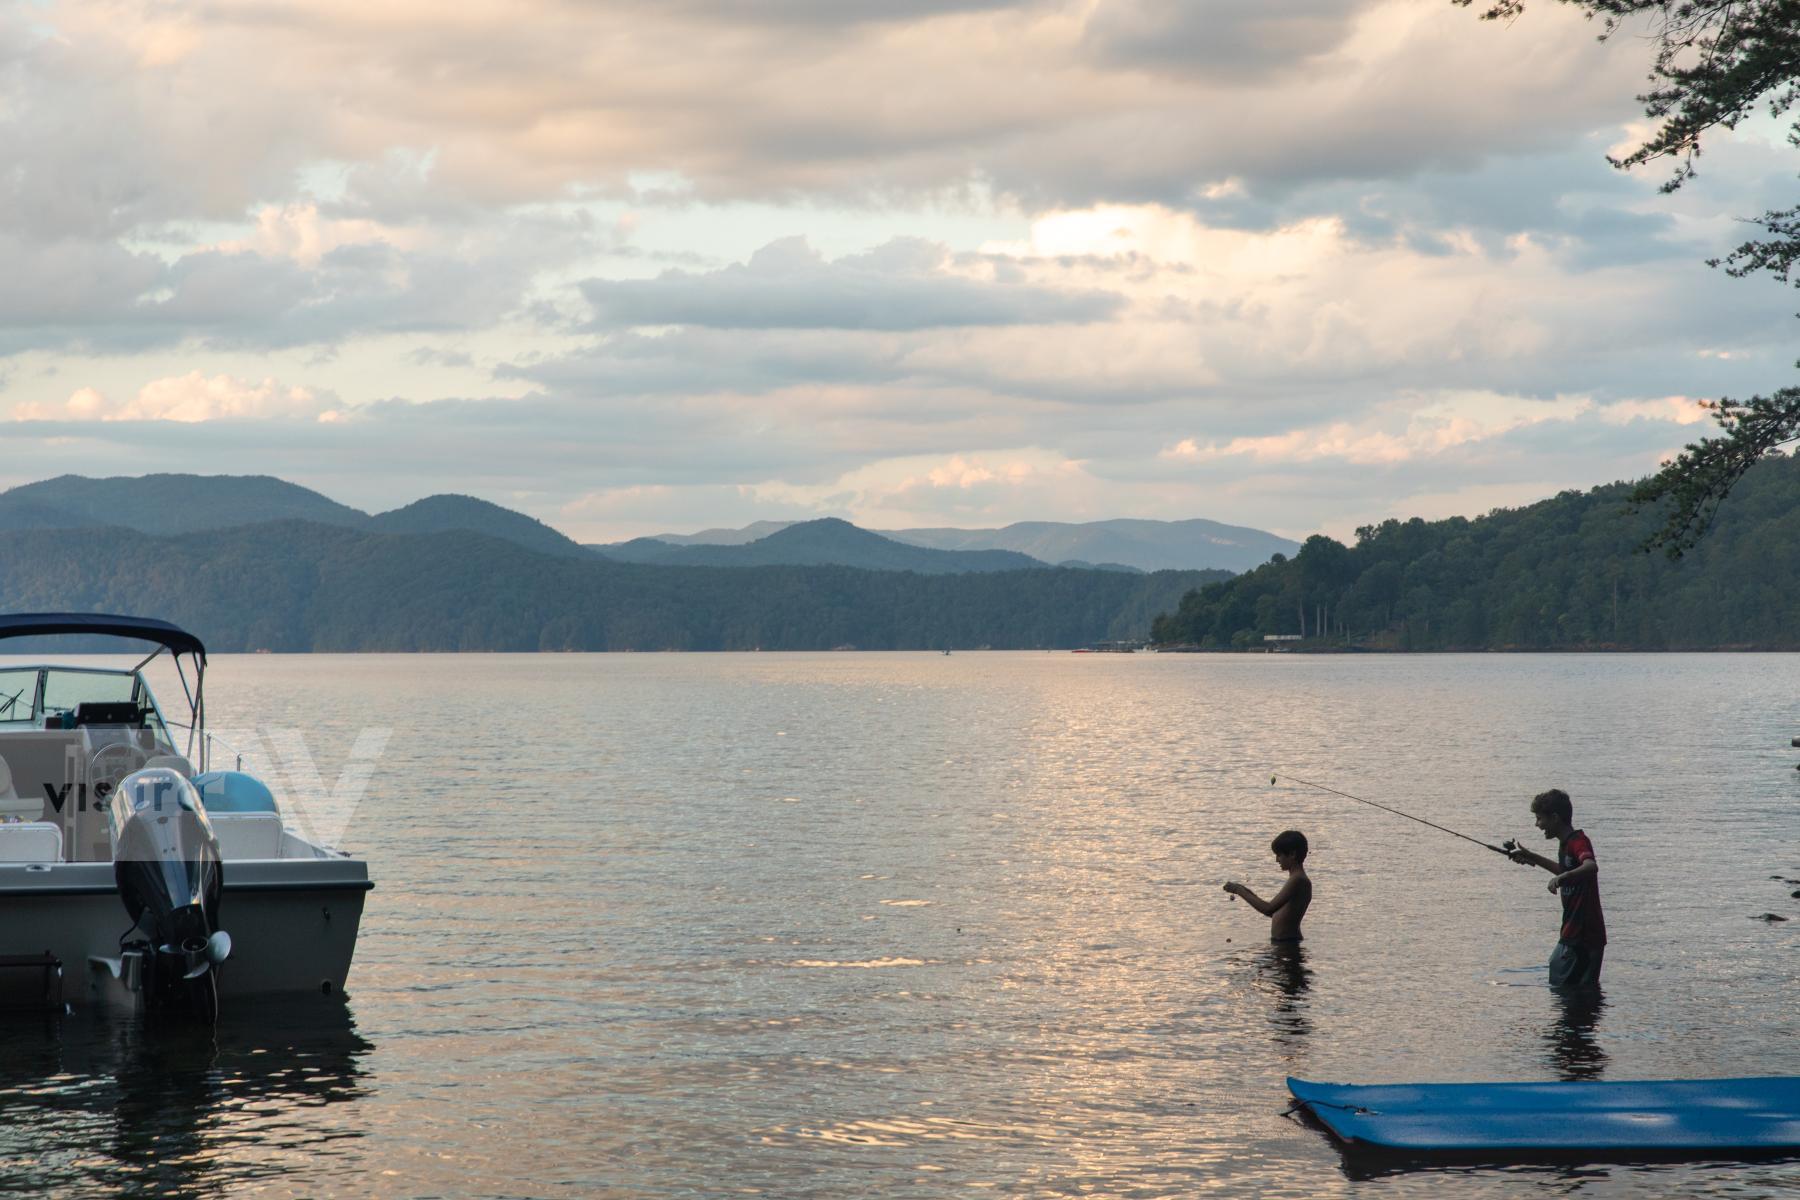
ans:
(293, 924)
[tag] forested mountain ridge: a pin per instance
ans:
(167, 503)
(442, 514)
(304, 586)
(818, 543)
(1565, 573)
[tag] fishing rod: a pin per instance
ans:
(1506, 849)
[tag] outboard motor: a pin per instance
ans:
(167, 865)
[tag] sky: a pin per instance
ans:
(641, 266)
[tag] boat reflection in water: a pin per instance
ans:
(105, 1101)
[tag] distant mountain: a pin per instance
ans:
(439, 514)
(1195, 544)
(827, 541)
(755, 531)
(1124, 544)
(170, 504)
(176, 503)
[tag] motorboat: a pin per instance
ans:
(113, 817)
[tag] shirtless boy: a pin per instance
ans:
(1285, 908)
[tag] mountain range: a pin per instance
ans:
(177, 504)
(256, 563)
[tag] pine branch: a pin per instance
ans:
(1695, 483)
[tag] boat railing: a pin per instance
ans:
(207, 741)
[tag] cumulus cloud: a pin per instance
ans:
(297, 280)
(1197, 313)
(1389, 438)
(300, 233)
(186, 399)
(1230, 39)
(121, 115)
(906, 284)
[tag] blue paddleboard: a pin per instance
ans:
(1652, 1116)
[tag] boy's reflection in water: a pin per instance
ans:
(1574, 1052)
(1282, 972)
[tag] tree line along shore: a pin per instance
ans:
(1567, 573)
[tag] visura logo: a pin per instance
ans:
(58, 797)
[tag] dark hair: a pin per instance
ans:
(1555, 802)
(1290, 841)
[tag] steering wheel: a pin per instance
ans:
(131, 757)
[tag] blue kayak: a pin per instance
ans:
(1652, 1116)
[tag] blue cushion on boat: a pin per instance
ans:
(234, 792)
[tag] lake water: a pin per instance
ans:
(916, 925)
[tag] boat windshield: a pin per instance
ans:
(30, 696)
(18, 697)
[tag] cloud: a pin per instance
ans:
(1225, 350)
(298, 232)
(186, 399)
(1224, 39)
(1391, 438)
(123, 116)
(1679, 410)
(829, 16)
(298, 280)
(906, 284)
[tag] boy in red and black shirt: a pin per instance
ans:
(1580, 948)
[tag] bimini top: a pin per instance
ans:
(15, 625)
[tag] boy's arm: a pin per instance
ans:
(1269, 907)
(1526, 858)
(1585, 869)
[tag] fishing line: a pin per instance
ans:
(1384, 808)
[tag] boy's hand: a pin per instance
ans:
(1555, 882)
(1234, 888)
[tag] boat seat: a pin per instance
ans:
(30, 842)
(234, 792)
(11, 803)
(248, 834)
(177, 763)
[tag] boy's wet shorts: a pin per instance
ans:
(1575, 966)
